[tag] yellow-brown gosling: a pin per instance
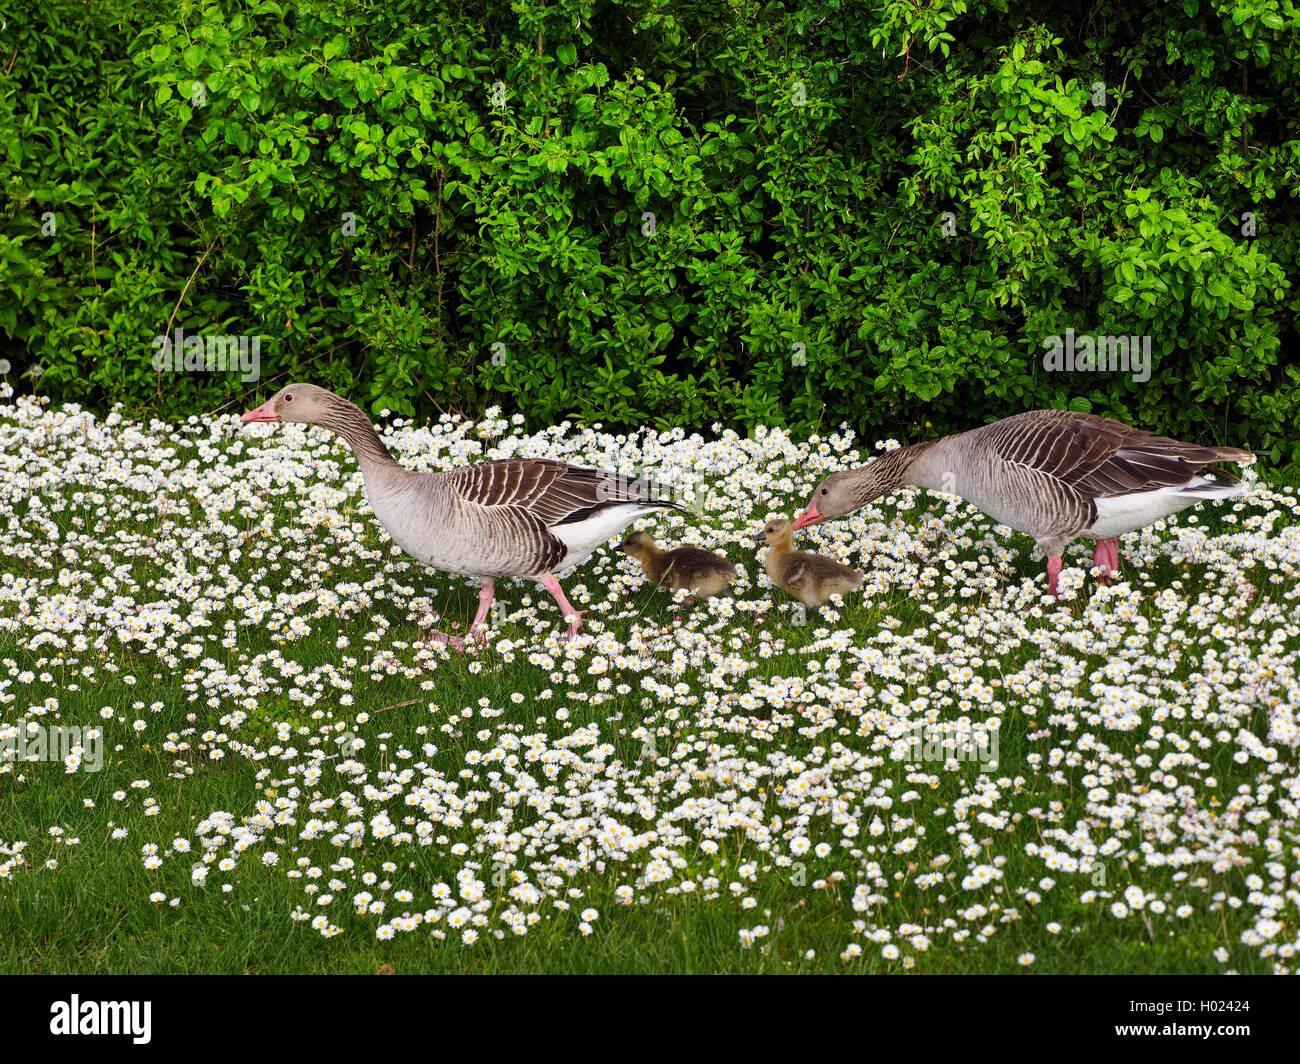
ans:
(810, 578)
(684, 569)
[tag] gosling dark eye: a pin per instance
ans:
(826, 491)
(289, 399)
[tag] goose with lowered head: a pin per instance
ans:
(1054, 474)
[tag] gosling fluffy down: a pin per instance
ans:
(810, 578)
(684, 569)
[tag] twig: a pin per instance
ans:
(168, 331)
(1245, 115)
(437, 262)
(92, 246)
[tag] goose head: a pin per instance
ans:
(849, 490)
(302, 403)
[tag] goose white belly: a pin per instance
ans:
(583, 537)
(1127, 513)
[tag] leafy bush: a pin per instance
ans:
(665, 213)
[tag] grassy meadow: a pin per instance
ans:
(948, 772)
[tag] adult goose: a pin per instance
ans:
(1055, 474)
(529, 517)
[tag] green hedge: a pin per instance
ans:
(863, 212)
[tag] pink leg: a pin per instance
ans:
(574, 617)
(1053, 571)
(1107, 557)
(484, 604)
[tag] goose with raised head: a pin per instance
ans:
(524, 517)
(1053, 474)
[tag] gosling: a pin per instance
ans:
(684, 569)
(810, 578)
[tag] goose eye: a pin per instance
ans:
(289, 399)
(826, 491)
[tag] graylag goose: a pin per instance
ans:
(1054, 474)
(685, 569)
(526, 517)
(810, 578)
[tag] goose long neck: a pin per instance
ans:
(355, 428)
(920, 465)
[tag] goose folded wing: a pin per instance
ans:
(554, 492)
(1060, 443)
(1098, 457)
(1144, 462)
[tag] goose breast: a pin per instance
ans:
(1021, 496)
(445, 533)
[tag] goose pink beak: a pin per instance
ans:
(262, 413)
(809, 517)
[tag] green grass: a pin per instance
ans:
(91, 912)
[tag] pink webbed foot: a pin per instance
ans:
(575, 623)
(434, 636)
